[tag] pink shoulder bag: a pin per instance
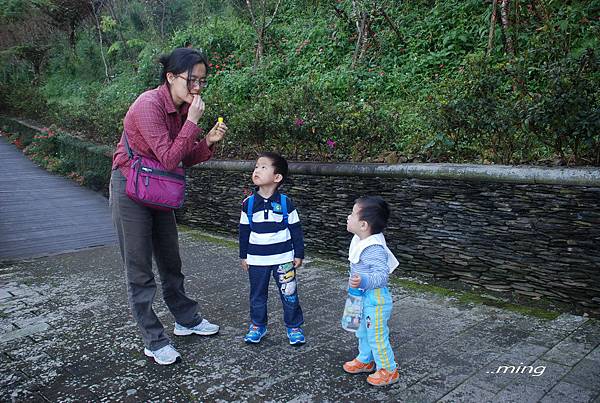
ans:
(151, 185)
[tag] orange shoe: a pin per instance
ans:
(356, 367)
(383, 377)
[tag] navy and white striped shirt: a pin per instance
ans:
(270, 241)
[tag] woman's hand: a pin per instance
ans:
(216, 134)
(297, 262)
(244, 264)
(354, 281)
(196, 110)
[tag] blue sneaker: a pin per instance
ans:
(296, 335)
(255, 334)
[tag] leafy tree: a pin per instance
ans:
(262, 14)
(66, 15)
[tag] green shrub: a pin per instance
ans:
(110, 106)
(540, 106)
(60, 152)
(43, 149)
(566, 116)
(476, 116)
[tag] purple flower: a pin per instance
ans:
(330, 143)
(298, 122)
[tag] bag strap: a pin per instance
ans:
(250, 209)
(129, 150)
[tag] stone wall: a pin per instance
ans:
(534, 232)
(529, 230)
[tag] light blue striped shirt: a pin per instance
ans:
(372, 268)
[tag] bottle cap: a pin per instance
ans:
(220, 119)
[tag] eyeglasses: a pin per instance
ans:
(194, 81)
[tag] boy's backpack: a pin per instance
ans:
(283, 207)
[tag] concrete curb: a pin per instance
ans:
(583, 176)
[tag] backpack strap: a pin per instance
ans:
(284, 208)
(250, 210)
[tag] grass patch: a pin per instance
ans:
(203, 236)
(537, 312)
(467, 297)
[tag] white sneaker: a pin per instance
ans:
(204, 328)
(163, 356)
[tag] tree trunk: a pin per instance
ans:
(100, 39)
(72, 42)
(362, 27)
(261, 29)
(492, 27)
(260, 49)
(365, 36)
(162, 20)
(505, 11)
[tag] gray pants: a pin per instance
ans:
(144, 232)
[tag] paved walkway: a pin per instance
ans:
(66, 334)
(42, 213)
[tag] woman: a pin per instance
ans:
(162, 124)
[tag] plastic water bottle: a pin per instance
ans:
(352, 310)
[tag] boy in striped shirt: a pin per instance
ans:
(371, 262)
(271, 244)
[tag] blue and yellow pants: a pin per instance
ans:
(374, 334)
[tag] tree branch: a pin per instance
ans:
(252, 15)
(391, 24)
(274, 13)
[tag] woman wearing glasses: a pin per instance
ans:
(161, 124)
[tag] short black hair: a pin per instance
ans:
(279, 163)
(375, 211)
(180, 60)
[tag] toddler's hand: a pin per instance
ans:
(297, 262)
(354, 281)
(244, 264)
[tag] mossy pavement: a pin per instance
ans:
(66, 334)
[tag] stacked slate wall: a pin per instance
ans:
(529, 230)
(534, 239)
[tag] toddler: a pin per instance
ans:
(371, 262)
